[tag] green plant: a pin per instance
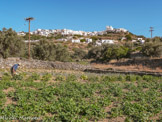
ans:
(84, 77)
(46, 77)
(60, 78)
(71, 77)
(78, 101)
(17, 77)
(6, 77)
(35, 76)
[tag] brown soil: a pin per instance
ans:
(6, 91)
(9, 101)
(117, 119)
(149, 65)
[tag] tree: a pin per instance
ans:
(129, 37)
(10, 43)
(78, 53)
(107, 52)
(115, 52)
(152, 49)
(46, 50)
(82, 40)
(62, 53)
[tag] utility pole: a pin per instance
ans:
(29, 19)
(151, 30)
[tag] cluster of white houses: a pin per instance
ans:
(70, 33)
(47, 32)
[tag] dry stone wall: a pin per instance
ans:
(25, 63)
(38, 64)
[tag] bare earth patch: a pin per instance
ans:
(157, 117)
(6, 91)
(125, 90)
(32, 88)
(149, 65)
(9, 101)
(117, 119)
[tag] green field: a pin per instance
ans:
(80, 97)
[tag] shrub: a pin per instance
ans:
(45, 50)
(130, 77)
(35, 76)
(107, 52)
(152, 49)
(147, 77)
(10, 43)
(6, 77)
(71, 77)
(17, 77)
(79, 53)
(121, 78)
(60, 78)
(84, 77)
(46, 77)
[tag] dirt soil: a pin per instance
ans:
(149, 65)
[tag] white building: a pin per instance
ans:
(134, 40)
(75, 40)
(142, 41)
(21, 34)
(26, 41)
(98, 43)
(139, 39)
(107, 41)
(109, 28)
(121, 30)
(88, 40)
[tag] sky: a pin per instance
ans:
(137, 16)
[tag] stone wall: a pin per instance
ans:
(38, 64)
(25, 63)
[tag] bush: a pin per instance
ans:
(46, 77)
(121, 78)
(35, 76)
(107, 52)
(71, 77)
(60, 78)
(152, 49)
(10, 44)
(130, 77)
(17, 77)
(79, 53)
(84, 77)
(45, 50)
(6, 77)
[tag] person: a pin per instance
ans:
(14, 68)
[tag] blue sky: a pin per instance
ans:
(87, 15)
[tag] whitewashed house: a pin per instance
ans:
(88, 40)
(98, 43)
(123, 38)
(141, 40)
(21, 33)
(75, 40)
(107, 41)
(109, 28)
(134, 40)
(121, 30)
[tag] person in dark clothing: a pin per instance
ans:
(14, 68)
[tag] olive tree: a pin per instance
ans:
(10, 43)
